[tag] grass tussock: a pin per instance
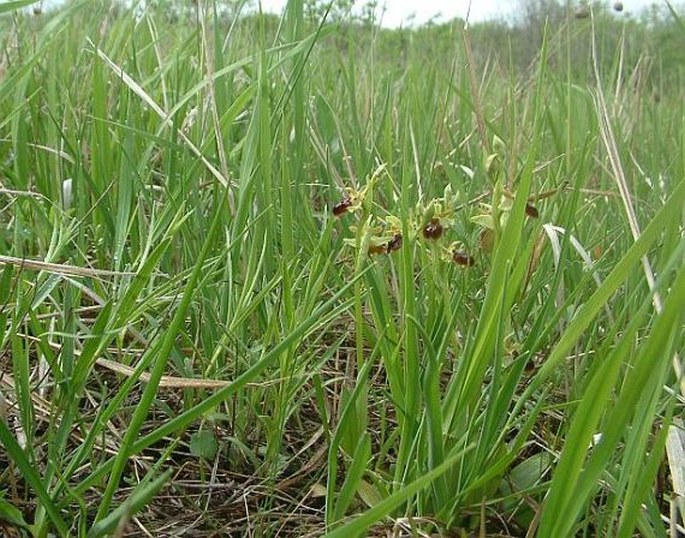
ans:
(295, 276)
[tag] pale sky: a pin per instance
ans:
(399, 11)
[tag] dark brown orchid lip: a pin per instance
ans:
(432, 230)
(395, 243)
(463, 258)
(532, 211)
(342, 206)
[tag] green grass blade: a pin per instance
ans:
(390, 503)
(12, 5)
(33, 478)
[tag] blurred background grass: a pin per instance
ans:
(171, 173)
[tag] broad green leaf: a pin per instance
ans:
(203, 445)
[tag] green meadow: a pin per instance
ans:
(300, 275)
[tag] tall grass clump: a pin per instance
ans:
(292, 275)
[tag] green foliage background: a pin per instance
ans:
(183, 314)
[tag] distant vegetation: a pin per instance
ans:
(299, 275)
